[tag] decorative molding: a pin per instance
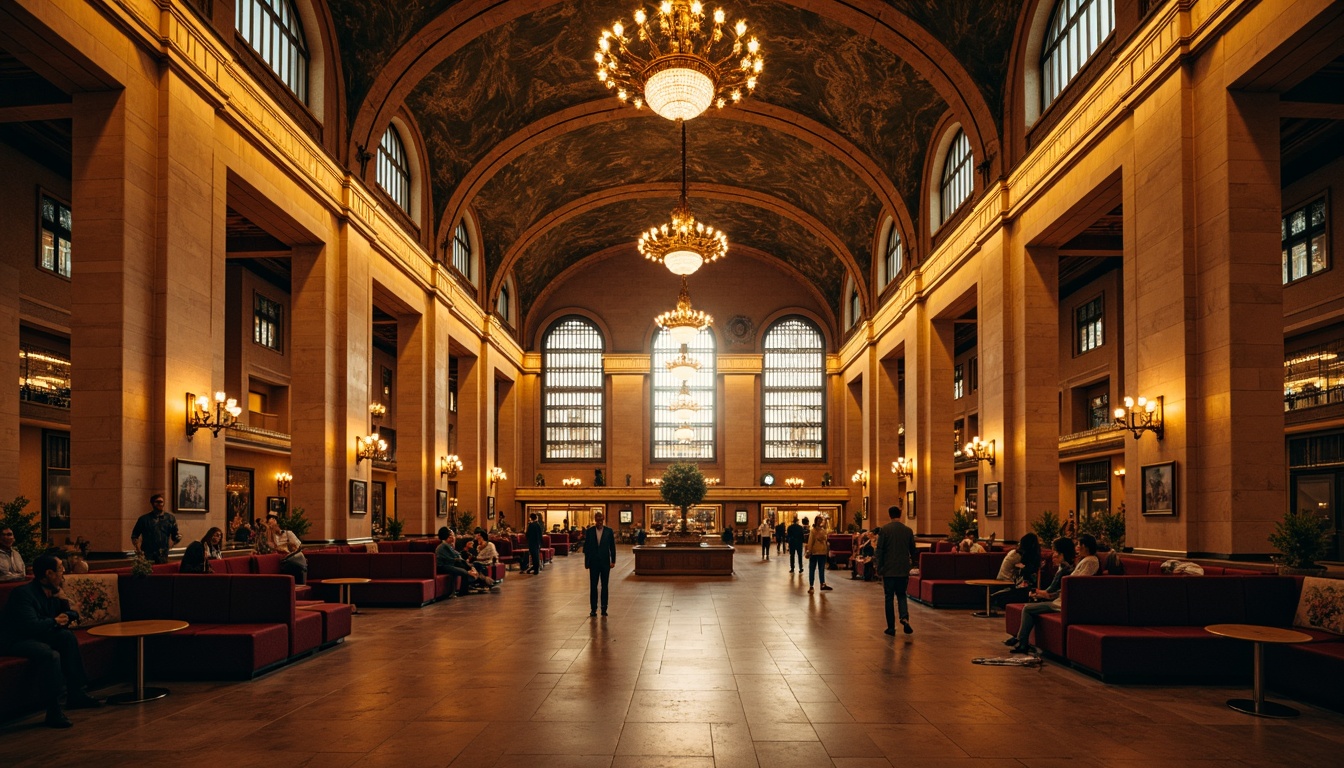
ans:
(740, 331)
(739, 364)
(626, 363)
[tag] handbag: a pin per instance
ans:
(296, 559)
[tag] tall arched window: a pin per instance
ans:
(957, 183)
(462, 251)
(895, 252)
(504, 307)
(793, 391)
(572, 395)
(855, 306)
(1075, 31)
(666, 445)
(394, 169)
(273, 29)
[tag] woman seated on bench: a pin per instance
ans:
(1064, 553)
(483, 556)
(1021, 568)
(863, 554)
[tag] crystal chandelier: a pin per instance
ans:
(683, 433)
(683, 406)
(684, 244)
(683, 324)
(681, 68)
(683, 366)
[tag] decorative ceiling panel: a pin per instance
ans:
(601, 228)
(639, 150)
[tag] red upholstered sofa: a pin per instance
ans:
(268, 565)
(1152, 628)
(560, 543)
(398, 578)
(842, 548)
(941, 581)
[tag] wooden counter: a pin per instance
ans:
(684, 561)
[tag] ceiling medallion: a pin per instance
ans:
(684, 244)
(684, 323)
(679, 68)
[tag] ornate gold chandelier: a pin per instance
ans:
(683, 366)
(680, 68)
(684, 406)
(684, 323)
(684, 244)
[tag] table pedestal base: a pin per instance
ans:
(1262, 709)
(130, 697)
(984, 614)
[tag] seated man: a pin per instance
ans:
(483, 556)
(1064, 553)
(36, 625)
(448, 561)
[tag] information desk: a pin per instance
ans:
(704, 560)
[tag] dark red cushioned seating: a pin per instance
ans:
(1309, 671)
(398, 578)
(842, 548)
(942, 578)
(336, 620)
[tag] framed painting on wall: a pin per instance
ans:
(56, 488)
(489, 507)
(359, 497)
(378, 503)
(627, 516)
(992, 499)
(237, 498)
(910, 504)
(1158, 494)
(440, 503)
(277, 505)
(191, 486)
(741, 517)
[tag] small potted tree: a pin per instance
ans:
(683, 486)
(1300, 538)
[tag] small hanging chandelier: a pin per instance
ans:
(683, 366)
(678, 66)
(684, 323)
(684, 244)
(683, 406)
(683, 433)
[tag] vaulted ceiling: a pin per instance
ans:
(519, 132)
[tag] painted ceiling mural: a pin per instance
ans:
(641, 149)
(609, 225)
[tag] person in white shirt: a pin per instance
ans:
(1065, 554)
(765, 530)
(11, 562)
(286, 544)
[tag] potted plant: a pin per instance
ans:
(1300, 538)
(296, 521)
(961, 522)
(464, 522)
(1047, 528)
(26, 526)
(683, 486)
(395, 527)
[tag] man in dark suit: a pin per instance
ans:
(37, 624)
(894, 557)
(796, 535)
(534, 534)
(599, 557)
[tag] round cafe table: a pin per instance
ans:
(1259, 636)
(989, 585)
(139, 630)
(345, 585)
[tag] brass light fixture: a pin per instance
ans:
(860, 476)
(683, 324)
(200, 416)
(903, 468)
(282, 481)
(684, 244)
(571, 482)
(683, 406)
(683, 366)
(683, 433)
(980, 450)
(377, 410)
(793, 482)
(677, 66)
(450, 465)
(371, 446)
(1142, 415)
(496, 476)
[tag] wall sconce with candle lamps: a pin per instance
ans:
(496, 476)
(450, 465)
(903, 468)
(793, 482)
(200, 416)
(371, 446)
(980, 450)
(377, 410)
(571, 482)
(1142, 415)
(282, 481)
(860, 476)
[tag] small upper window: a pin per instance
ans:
(957, 181)
(273, 29)
(54, 255)
(462, 250)
(895, 256)
(1074, 33)
(394, 172)
(502, 306)
(1090, 326)
(958, 382)
(267, 323)
(1306, 248)
(855, 308)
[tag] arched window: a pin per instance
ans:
(462, 251)
(394, 169)
(572, 395)
(504, 307)
(793, 391)
(855, 306)
(895, 252)
(699, 442)
(957, 182)
(1075, 31)
(273, 29)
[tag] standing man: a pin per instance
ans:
(764, 532)
(599, 557)
(534, 534)
(796, 535)
(11, 562)
(36, 625)
(155, 531)
(895, 555)
(781, 533)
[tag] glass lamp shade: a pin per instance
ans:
(679, 92)
(684, 433)
(683, 368)
(683, 262)
(683, 335)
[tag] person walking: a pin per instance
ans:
(781, 535)
(894, 556)
(796, 535)
(764, 532)
(818, 554)
(155, 532)
(599, 557)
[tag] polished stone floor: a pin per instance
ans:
(723, 673)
